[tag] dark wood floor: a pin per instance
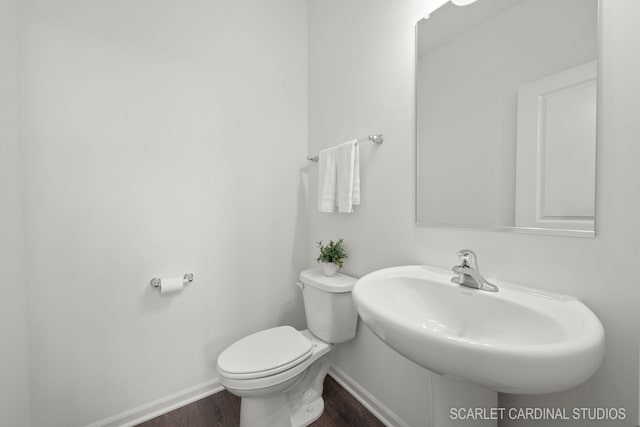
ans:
(223, 410)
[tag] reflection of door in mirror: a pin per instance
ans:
(556, 150)
(471, 62)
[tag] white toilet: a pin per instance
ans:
(279, 372)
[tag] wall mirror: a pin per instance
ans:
(506, 116)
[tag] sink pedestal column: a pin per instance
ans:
(452, 402)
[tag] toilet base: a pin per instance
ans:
(275, 412)
(305, 399)
(265, 412)
(307, 414)
(301, 405)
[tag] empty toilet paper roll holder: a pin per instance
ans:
(155, 282)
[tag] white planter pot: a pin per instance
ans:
(329, 268)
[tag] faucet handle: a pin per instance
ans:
(468, 258)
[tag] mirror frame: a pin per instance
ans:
(515, 230)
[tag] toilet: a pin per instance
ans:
(279, 372)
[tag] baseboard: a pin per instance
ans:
(166, 404)
(161, 406)
(377, 408)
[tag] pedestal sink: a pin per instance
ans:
(517, 340)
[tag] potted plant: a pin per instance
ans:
(331, 256)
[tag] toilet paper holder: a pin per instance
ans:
(188, 278)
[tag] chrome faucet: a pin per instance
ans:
(468, 273)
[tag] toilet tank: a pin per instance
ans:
(331, 315)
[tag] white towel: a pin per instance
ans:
(348, 175)
(326, 180)
(339, 177)
(356, 175)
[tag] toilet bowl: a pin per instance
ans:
(279, 372)
(276, 394)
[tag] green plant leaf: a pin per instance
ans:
(333, 252)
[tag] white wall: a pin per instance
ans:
(14, 383)
(362, 81)
(160, 138)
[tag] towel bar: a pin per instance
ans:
(378, 139)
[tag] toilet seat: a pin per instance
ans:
(264, 354)
(251, 385)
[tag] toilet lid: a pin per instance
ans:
(264, 353)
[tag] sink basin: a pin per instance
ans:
(517, 340)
